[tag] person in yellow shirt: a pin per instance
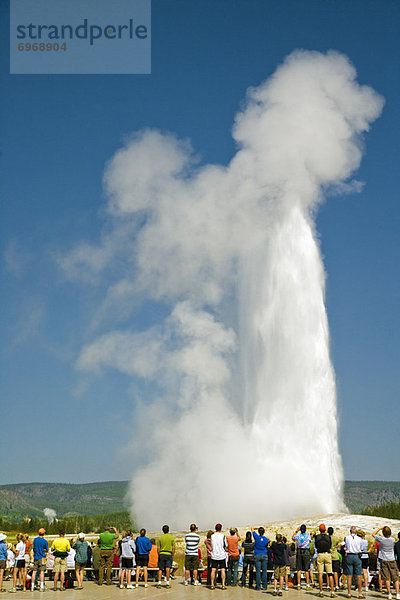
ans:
(60, 548)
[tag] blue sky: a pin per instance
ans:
(58, 132)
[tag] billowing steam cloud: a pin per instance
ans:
(243, 424)
(50, 514)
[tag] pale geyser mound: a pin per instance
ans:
(243, 418)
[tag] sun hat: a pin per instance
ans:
(2, 537)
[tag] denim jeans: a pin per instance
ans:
(232, 572)
(353, 564)
(261, 562)
(248, 563)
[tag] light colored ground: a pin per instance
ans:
(178, 591)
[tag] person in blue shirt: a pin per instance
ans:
(303, 556)
(40, 549)
(3, 558)
(260, 557)
(143, 547)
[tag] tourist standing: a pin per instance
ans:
(335, 558)
(143, 548)
(388, 563)
(287, 563)
(278, 550)
(303, 556)
(96, 560)
(60, 548)
(353, 547)
(192, 541)
(128, 549)
(81, 548)
(3, 558)
(232, 541)
(19, 567)
(40, 550)
(397, 550)
(364, 558)
(322, 543)
(107, 540)
(28, 551)
(218, 555)
(166, 549)
(207, 543)
(248, 559)
(261, 557)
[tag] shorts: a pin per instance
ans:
(164, 561)
(353, 565)
(303, 559)
(142, 560)
(126, 563)
(218, 564)
(60, 565)
(389, 570)
(79, 565)
(336, 566)
(40, 564)
(324, 560)
(2, 564)
(191, 562)
(364, 563)
(20, 563)
(279, 571)
(287, 570)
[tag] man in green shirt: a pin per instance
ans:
(106, 540)
(166, 549)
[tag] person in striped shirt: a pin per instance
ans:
(192, 541)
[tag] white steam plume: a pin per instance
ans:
(50, 514)
(244, 427)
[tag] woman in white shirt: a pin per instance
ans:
(19, 568)
(127, 560)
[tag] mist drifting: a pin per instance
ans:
(242, 426)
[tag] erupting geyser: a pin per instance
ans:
(242, 425)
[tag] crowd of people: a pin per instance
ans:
(255, 561)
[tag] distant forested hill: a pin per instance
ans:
(30, 499)
(359, 494)
(21, 500)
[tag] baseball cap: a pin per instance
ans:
(42, 530)
(81, 535)
(322, 527)
(218, 527)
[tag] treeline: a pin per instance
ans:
(389, 510)
(72, 524)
